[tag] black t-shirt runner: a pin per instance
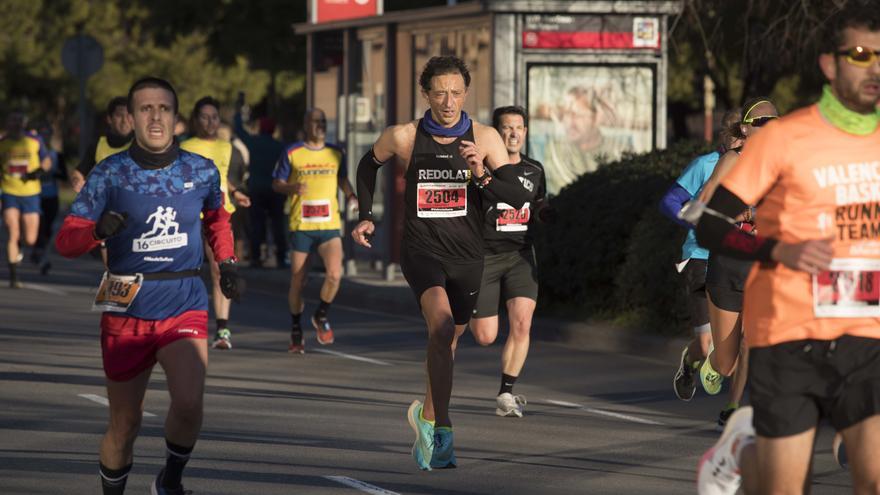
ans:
(506, 229)
(443, 216)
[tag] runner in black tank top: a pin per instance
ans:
(443, 217)
(448, 158)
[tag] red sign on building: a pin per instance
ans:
(562, 32)
(337, 10)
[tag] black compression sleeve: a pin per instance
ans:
(367, 169)
(719, 235)
(507, 187)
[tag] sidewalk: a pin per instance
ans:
(369, 290)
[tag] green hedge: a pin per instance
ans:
(611, 253)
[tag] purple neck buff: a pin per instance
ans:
(435, 129)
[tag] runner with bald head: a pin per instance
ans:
(309, 173)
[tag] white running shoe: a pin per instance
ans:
(509, 405)
(718, 471)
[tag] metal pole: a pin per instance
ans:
(709, 107)
(81, 107)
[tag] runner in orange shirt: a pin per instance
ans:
(812, 303)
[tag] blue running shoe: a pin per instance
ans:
(157, 489)
(444, 452)
(423, 447)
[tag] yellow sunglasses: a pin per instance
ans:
(860, 56)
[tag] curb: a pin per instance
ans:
(369, 290)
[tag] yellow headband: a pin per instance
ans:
(746, 115)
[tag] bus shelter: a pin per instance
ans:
(592, 75)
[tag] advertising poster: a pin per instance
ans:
(583, 115)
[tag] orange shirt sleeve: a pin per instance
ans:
(762, 160)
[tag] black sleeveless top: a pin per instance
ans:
(443, 216)
(506, 229)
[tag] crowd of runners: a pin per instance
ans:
(780, 263)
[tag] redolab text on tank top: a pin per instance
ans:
(443, 216)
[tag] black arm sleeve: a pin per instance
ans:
(367, 169)
(61, 170)
(719, 235)
(88, 161)
(508, 188)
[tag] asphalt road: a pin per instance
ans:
(333, 421)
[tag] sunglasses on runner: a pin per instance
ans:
(860, 56)
(759, 121)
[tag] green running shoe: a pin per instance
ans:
(223, 339)
(423, 447)
(444, 452)
(710, 378)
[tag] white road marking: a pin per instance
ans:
(104, 402)
(565, 404)
(623, 416)
(360, 485)
(413, 319)
(602, 412)
(45, 288)
(352, 357)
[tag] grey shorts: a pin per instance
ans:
(505, 276)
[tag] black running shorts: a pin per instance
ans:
(505, 276)
(725, 280)
(694, 278)
(793, 385)
(461, 280)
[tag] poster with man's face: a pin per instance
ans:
(583, 115)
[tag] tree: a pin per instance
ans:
(751, 47)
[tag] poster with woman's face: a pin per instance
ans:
(583, 115)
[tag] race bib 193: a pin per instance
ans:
(849, 289)
(117, 292)
(512, 220)
(442, 199)
(316, 211)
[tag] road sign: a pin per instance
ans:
(82, 56)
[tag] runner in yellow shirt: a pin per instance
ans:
(23, 158)
(310, 172)
(206, 123)
(118, 138)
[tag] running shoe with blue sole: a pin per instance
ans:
(444, 451)
(423, 447)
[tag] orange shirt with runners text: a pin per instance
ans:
(810, 180)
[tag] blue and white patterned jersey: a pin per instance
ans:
(163, 232)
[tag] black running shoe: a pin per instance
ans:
(723, 416)
(683, 383)
(157, 489)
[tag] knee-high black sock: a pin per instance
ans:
(321, 312)
(113, 480)
(507, 382)
(175, 461)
